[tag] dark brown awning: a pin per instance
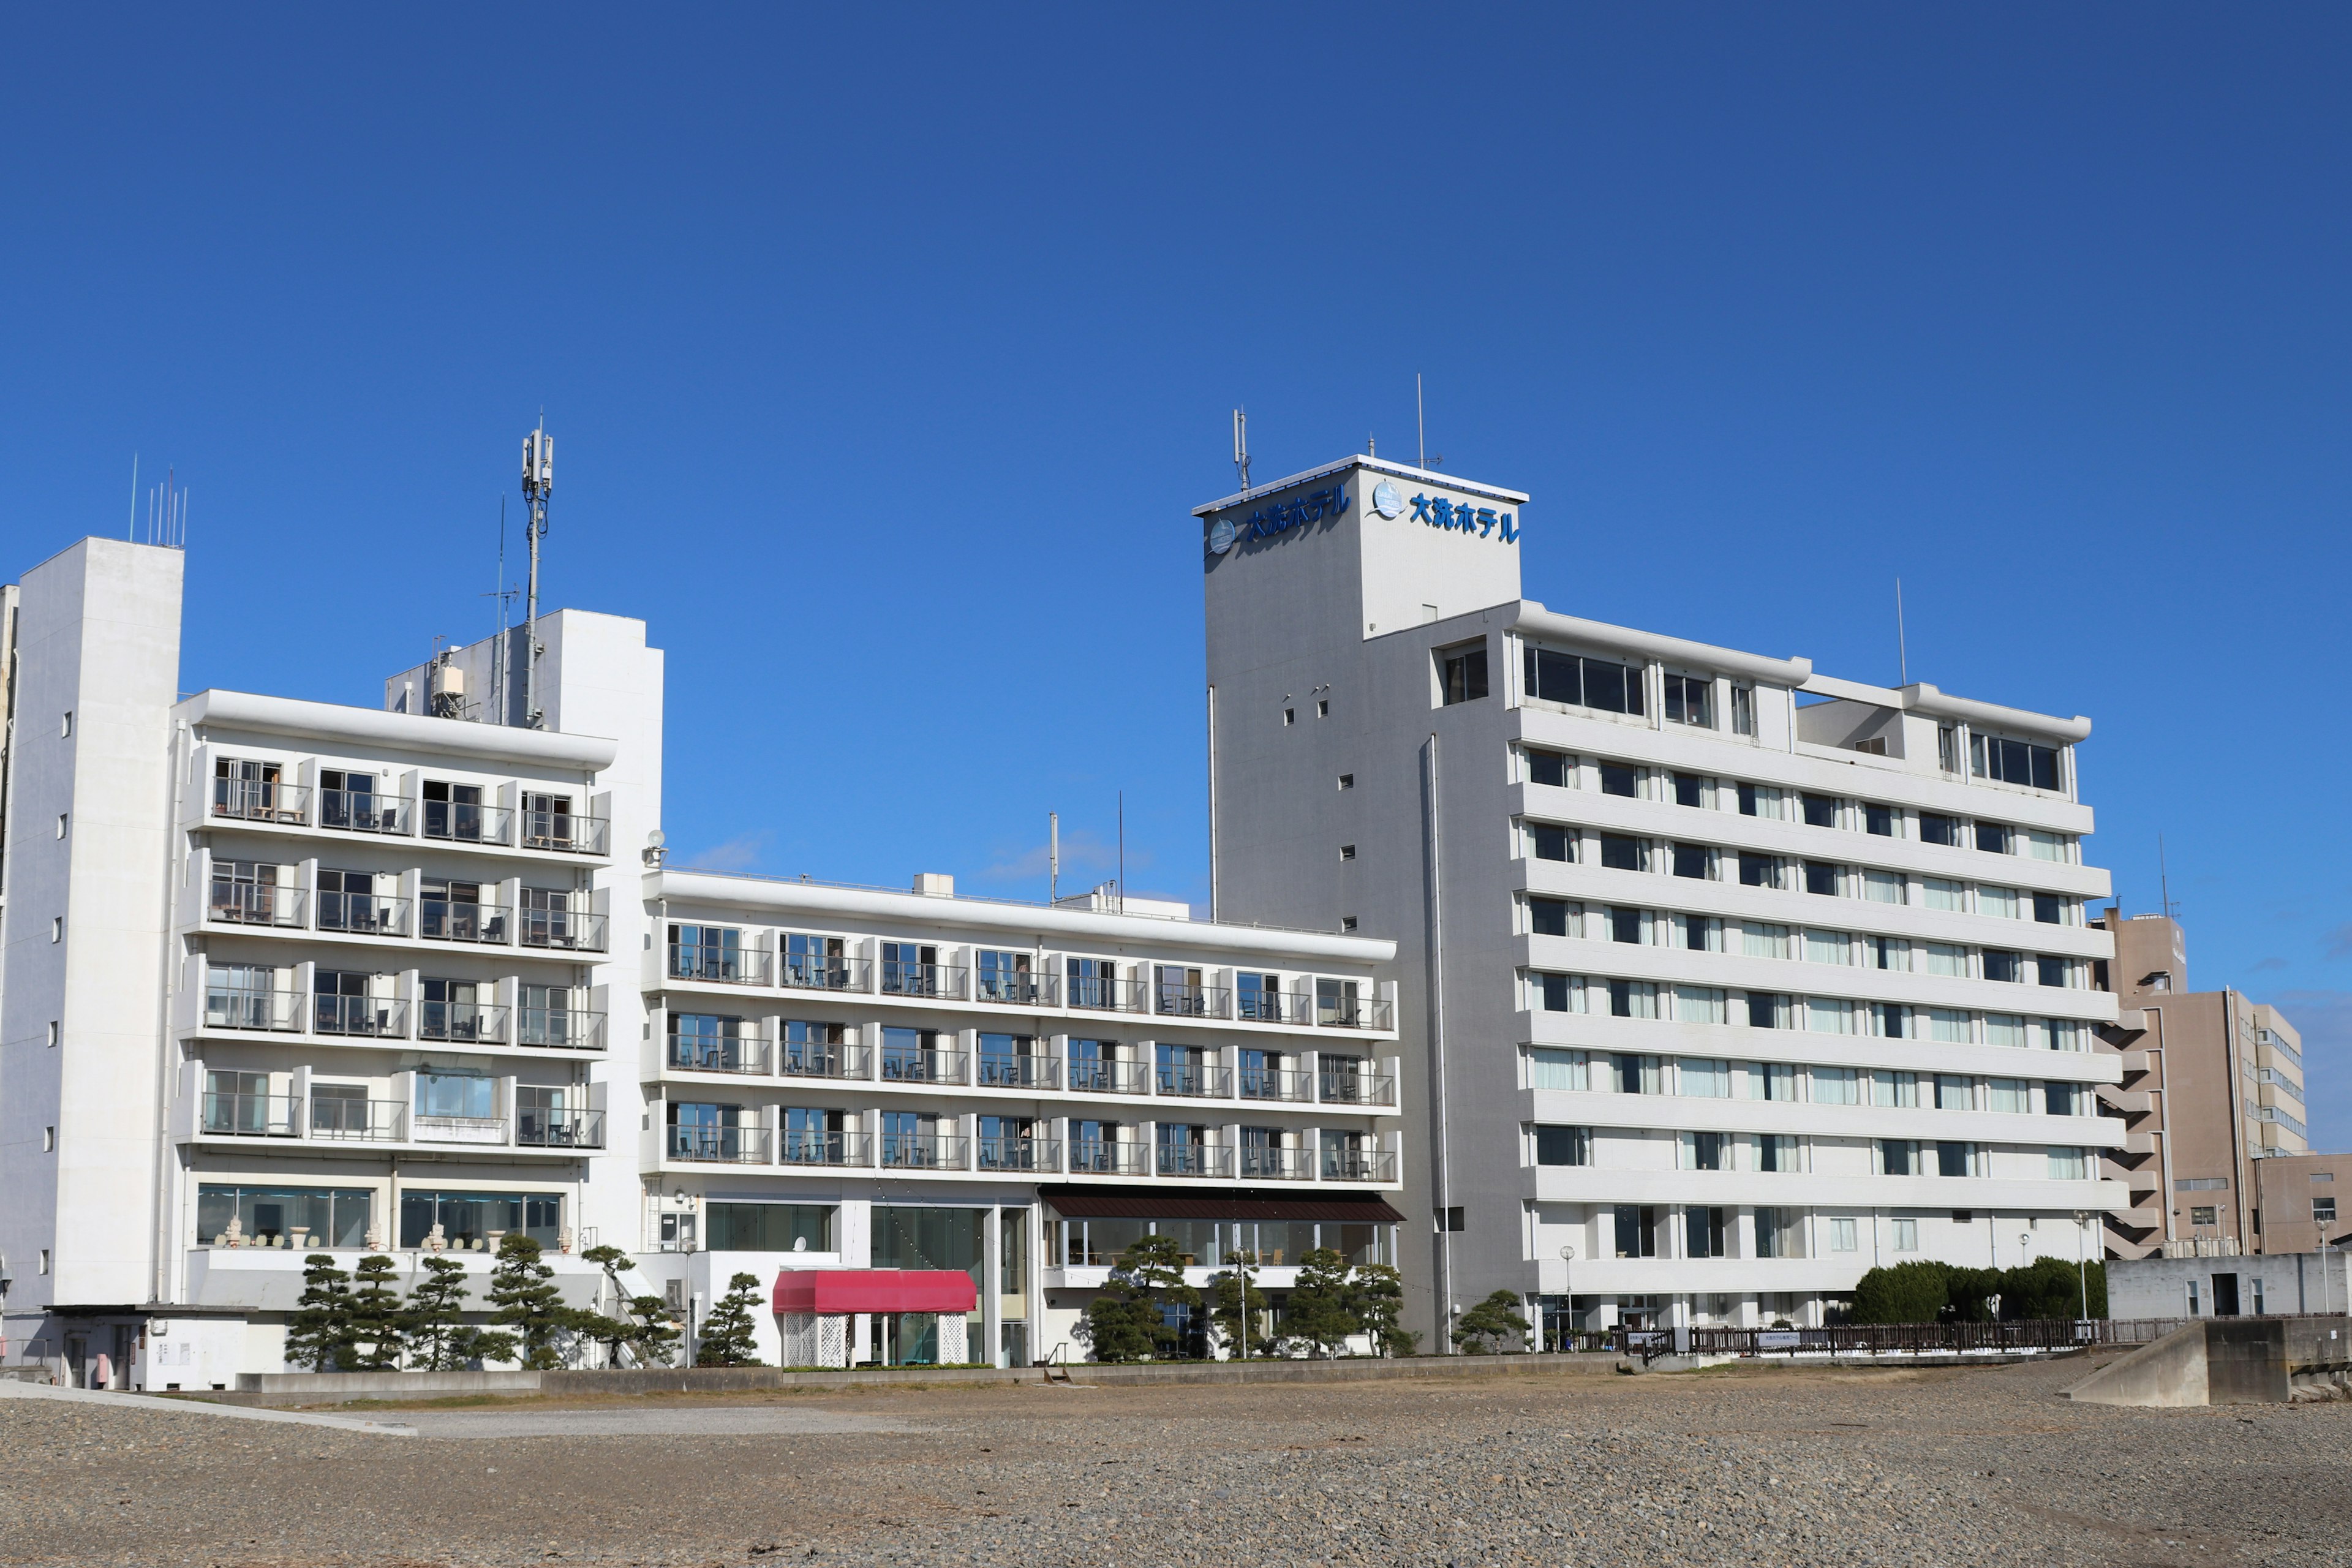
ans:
(1230, 1203)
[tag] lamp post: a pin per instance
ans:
(1568, 1289)
(2082, 1265)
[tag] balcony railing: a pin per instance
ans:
(813, 1146)
(1270, 1083)
(363, 914)
(565, 831)
(571, 1028)
(250, 1115)
(1019, 988)
(339, 1119)
(542, 1128)
(255, 904)
(260, 800)
(746, 1053)
(1020, 1154)
(446, 920)
(427, 1129)
(1099, 1076)
(1094, 992)
(253, 1010)
(1274, 1007)
(1358, 1165)
(823, 972)
(1019, 1072)
(376, 1015)
(1192, 1081)
(718, 965)
(924, 1151)
(900, 978)
(464, 824)
(568, 930)
(825, 1059)
(1356, 1087)
(1104, 1157)
(720, 1145)
(358, 811)
(1351, 1011)
(921, 1067)
(474, 1023)
(1190, 1001)
(1277, 1164)
(1194, 1160)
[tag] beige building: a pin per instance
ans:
(2296, 1201)
(2212, 1090)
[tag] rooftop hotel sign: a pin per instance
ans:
(1306, 508)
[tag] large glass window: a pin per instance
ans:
(461, 1095)
(769, 1227)
(1690, 699)
(1563, 1146)
(1462, 673)
(1582, 682)
(2014, 761)
(284, 1216)
(469, 1220)
(1552, 768)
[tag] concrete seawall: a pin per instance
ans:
(2230, 1361)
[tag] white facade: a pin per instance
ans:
(1722, 981)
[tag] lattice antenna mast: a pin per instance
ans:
(538, 484)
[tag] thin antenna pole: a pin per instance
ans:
(1419, 428)
(537, 483)
(131, 529)
(2163, 877)
(1240, 446)
(1122, 852)
(1901, 650)
(1054, 857)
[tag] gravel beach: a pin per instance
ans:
(1733, 1465)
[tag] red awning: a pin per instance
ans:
(875, 1291)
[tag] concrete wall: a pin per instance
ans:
(2289, 1283)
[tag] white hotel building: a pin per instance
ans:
(1720, 980)
(282, 976)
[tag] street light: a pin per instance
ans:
(1567, 1289)
(2082, 1266)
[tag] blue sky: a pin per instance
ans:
(886, 349)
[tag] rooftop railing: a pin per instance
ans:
(462, 823)
(568, 930)
(437, 1128)
(565, 831)
(470, 1023)
(569, 1028)
(363, 914)
(362, 811)
(718, 965)
(720, 1145)
(255, 904)
(260, 800)
(543, 1127)
(824, 972)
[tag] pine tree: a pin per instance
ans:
(434, 1320)
(1492, 1324)
(1376, 1299)
(1238, 1307)
(377, 1321)
(1322, 1313)
(1130, 1322)
(644, 1323)
(727, 1332)
(523, 1296)
(319, 1334)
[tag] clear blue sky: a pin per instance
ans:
(886, 350)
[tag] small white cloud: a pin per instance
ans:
(1081, 852)
(741, 853)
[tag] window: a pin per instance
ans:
(1617, 778)
(1879, 820)
(1953, 1159)
(1898, 1156)
(1692, 860)
(48, 1140)
(1779, 1232)
(1759, 941)
(1690, 701)
(1955, 1091)
(2053, 971)
(1767, 1010)
(1463, 675)
(1775, 1081)
(1994, 839)
(1820, 877)
(1623, 925)
(1778, 1151)
(1837, 1085)
(2007, 1095)
(1706, 1078)
(1895, 1089)
(1632, 999)
(61, 824)
(2004, 1029)
(2048, 847)
(1556, 1070)
(1322, 708)
(1883, 886)
(1820, 811)
(1550, 842)
(1554, 993)
(1708, 1151)
(2000, 902)
(1620, 852)
(1906, 1231)
(45, 1251)
(2201, 1185)
(1563, 1145)
(1290, 715)
(2322, 1211)
(1743, 711)
(1630, 1074)
(1759, 800)
(1690, 789)
(1552, 768)
(1698, 1004)
(2064, 1099)
(1941, 893)
(1346, 852)
(275, 1215)
(1893, 1021)
(2014, 761)
(1759, 870)
(2005, 966)
(1844, 1235)
(2062, 1034)
(1636, 1230)
(1935, 829)
(1580, 682)
(1944, 958)
(1347, 780)
(1949, 1026)
(2203, 1215)
(1829, 1015)
(57, 928)
(65, 731)
(2066, 1164)
(54, 1029)
(1547, 917)
(769, 1227)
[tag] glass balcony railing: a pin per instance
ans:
(362, 811)
(1354, 1088)
(570, 1028)
(1016, 1153)
(382, 1017)
(363, 914)
(1101, 1076)
(450, 919)
(255, 904)
(924, 1151)
(351, 1119)
(230, 1115)
(1270, 1007)
(1105, 1157)
(1192, 1080)
(1271, 1083)
(1358, 1165)
(260, 800)
(1018, 1071)
(815, 1058)
(1096, 992)
(462, 822)
(720, 1145)
(1190, 1001)
(900, 978)
(739, 1054)
(921, 1067)
(567, 930)
(823, 1146)
(566, 832)
(1276, 1164)
(468, 1022)
(718, 965)
(559, 1126)
(1194, 1160)
(1348, 1011)
(1018, 988)
(227, 1009)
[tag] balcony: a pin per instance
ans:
(924, 1151)
(1019, 988)
(465, 823)
(718, 965)
(922, 1067)
(1356, 1087)
(569, 1028)
(446, 920)
(1088, 1076)
(260, 800)
(382, 1017)
(1274, 1007)
(279, 1010)
(1194, 1160)
(254, 904)
(824, 972)
(250, 1116)
(538, 1128)
(730, 1054)
(902, 979)
(1186, 1081)
(1020, 1154)
(468, 1022)
(1019, 1072)
(357, 812)
(564, 930)
(566, 832)
(803, 1059)
(350, 1120)
(363, 914)
(1096, 993)
(1273, 1164)
(458, 1129)
(1358, 1165)
(719, 1145)
(811, 1146)
(1104, 1157)
(1190, 1001)
(1271, 1084)
(1353, 1013)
